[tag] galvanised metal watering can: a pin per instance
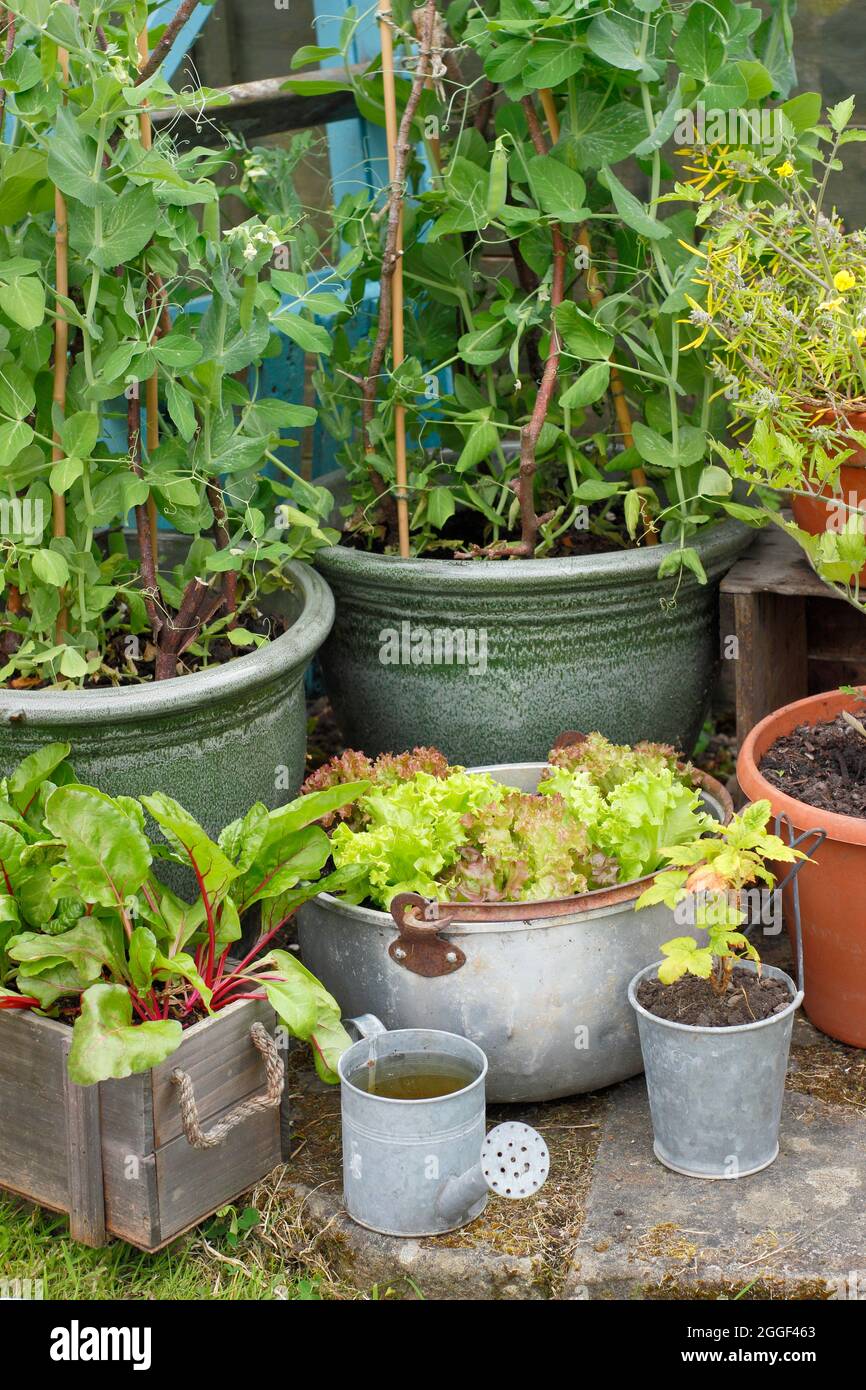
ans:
(420, 1167)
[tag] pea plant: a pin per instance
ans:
(546, 282)
(133, 327)
(88, 933)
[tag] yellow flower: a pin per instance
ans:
(831, 305)
(701, 318)
(785, 170)
(711, 163)
(860, 336)
(844, 280)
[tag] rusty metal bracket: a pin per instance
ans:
(418, 946)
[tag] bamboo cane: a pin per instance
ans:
(152, 388)
(397, 342)
(61, 347)
(596, 295)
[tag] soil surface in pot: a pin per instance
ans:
(130, 660)
(466, 536)
(748, 999)
(823, 765)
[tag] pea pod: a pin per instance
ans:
(497, 187)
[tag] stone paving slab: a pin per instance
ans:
(796, 1230)
(432, 1268)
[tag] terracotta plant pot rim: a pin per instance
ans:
(814, 709)
(849, 409)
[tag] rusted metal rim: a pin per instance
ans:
(458, 913)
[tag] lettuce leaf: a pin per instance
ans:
(413, 832)
(603, 814)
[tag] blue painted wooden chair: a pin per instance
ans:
(358, 159)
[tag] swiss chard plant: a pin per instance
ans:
(546, 281)
(710, 874)
(133, 328)
(602, 815)
(89, 934)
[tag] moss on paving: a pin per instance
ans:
(544, 1227)
(830, 1071)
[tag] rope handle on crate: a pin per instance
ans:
(795, 841)
(276, 1080)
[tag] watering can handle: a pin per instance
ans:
(365, 1025)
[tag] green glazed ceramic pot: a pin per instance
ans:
(217, 740)
(490, 660)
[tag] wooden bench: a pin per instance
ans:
(795, 636)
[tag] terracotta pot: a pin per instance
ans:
(811, 513)
(832, 888)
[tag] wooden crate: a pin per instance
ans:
(795, 636)
(114, 1156)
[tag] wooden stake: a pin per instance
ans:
(435, 144)
(152, 388)
(397, 343)
(596, 295)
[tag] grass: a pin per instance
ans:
(213, 1263)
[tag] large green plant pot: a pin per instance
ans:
(592, 643)
(216, 741)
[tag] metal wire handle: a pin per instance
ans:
(794, 842)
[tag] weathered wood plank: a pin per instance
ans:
(131, 1194)
(775, 564)
(192, 1183)
(772, 656)
(224, 1066)
(84, 1157)
(127, 1112)
(33, 1125)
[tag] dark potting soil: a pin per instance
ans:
(821, 764)
(464, 535)
(748, 999)
(128, 662)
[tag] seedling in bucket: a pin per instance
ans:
(415, 1158)
(715, 1025)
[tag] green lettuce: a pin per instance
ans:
(413, 832)
(521, 849)
(649, 805)
(604, 814)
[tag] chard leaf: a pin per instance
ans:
(213, 871)
(90, 947)
(107, 853)
(308, 1011)
(282, 862)
(106, 1043)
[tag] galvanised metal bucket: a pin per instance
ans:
(715, 1094)
(544, 993)
(401, 1158)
